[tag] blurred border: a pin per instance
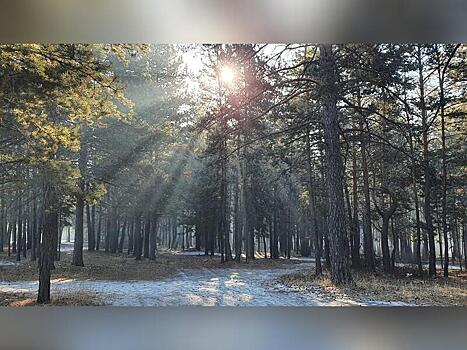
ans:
(227, 21)
(227, 328)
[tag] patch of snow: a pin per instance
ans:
(68, 246)
(258, 256)
(425, 266)
(7, 263)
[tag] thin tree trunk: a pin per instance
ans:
(122, 236)
(2, 221)
(464, 231)
(368, 249)
(152, 238)
(9, 231)
(19, 236)
(99, 229)
(131, 236)
(138, 237)
(147, 231)
(386, 216)
(355, 223)
(90, 227)
(418, 251)
(426, 168)
(13, 223)
(79, 227)
(79, 219)
(444, 178)
(35, 234)
(313, 209)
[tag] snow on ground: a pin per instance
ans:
(4, 262)
(207, 287)
(68, 246)
(425, 266)
(64, 247)
(311, 259)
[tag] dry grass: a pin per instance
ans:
(69, 299)
(121, 267)
(379, 287)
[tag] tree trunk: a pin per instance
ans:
(108, 231)
(90, 227)
(355, 223)
(395, 254)
(131, 236)
(50, 227)
(2, 221)
(19, 237)
(368, 249)
(464, 232)
(79, 227)
(237, 220)
(13, 244)
(99, 229)
(79, 219)
(138, 237)
(386, 216)
(35, 233)
(147, 231)
(245, 207)
(9, 231)
(340, 267)
(444, 178)
(426, 168)
(418, 250)
(152, 238)
(122, 236)
(313, 208)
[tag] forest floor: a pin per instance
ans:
(122, 267)
(190, 278)
(403, 286)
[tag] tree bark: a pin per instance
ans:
(340, 267)
(50, 227)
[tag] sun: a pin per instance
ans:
(227, 74)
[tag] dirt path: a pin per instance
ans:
(207, 287)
